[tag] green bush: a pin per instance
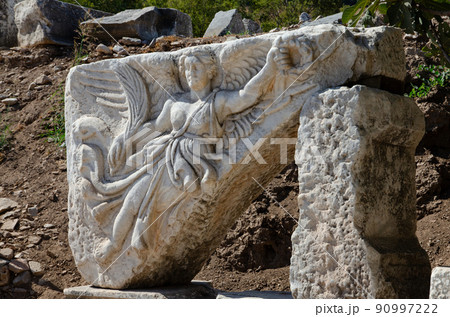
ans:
(430, 76)
(423, 16)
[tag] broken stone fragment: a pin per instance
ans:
(225, 22)
(36, 268)
(22, 279)
(10, 101)
(130, 41)
(440, 283)
(43, 22)
(18, 266)
(103, 49)
(145, 24)
(43, 80)
(6, 253)
(7, 204)
(4, 273)
(10, 224)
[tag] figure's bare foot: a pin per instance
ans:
(104, 251)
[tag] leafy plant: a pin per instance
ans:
(5, 138)
(432, 76)
(423, 16)
(54, 125)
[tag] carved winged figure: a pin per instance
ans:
(138, 183)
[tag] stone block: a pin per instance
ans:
(43, 22)
(356, 234)
(145, 24)
(194, 290)
(225, 22)
(440, 283)
(149, 201)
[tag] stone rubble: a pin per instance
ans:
(225, 22)
(7, 204)
(43, 22)
(103, 49)
(145, 24)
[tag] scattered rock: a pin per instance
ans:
(304, 17)
(103, 49)
(10, 101)
(34, 239)
(7, 204)
(22, 279)
(43, 22)
(225, 22)
(36, 268)
(49, 226)
(10, 225)
(18, 266)
(33, 211)
(130, 41)
(43, 80)
(32, 86)
(145, 24)
(119, 50)
(4, 273)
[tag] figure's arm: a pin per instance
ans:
(230, 102)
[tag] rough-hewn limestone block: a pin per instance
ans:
(194, 290)
(251, 27)
(440, 283)
(146, 24)
(8, 29)
(166, 150)
(356, 234)
(42, 22)
(224, 22)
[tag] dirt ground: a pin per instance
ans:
(256, 251)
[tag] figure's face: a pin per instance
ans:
(196, 74)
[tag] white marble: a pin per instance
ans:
(149, 201)
(356, 233)
(440, 283)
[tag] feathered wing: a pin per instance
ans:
(240, 63)
(130, 88)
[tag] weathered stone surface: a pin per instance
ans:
(225, 22)
(254, 295)
(7, 204)
(251, 27)
(18, 266)
(4, 273)
(22, 279)
(356, 234)
(102, 48)
(34, 239)
(331, 19)
(8, 29)
(6, 253)
(145, 24)
(440, 283)
(194, 290)
(304, 17)
(10, 101)
(42, 22)
(36, 268)
(130, 41)
(152, 214)
(10, 224)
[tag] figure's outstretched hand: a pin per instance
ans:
(279, 55)
(116, 154)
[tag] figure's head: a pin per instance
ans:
(199, 70)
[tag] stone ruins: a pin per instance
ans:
(166, 150)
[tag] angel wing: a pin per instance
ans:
(130, 88)
(240, 63)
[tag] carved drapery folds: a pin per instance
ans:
(159, 144)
